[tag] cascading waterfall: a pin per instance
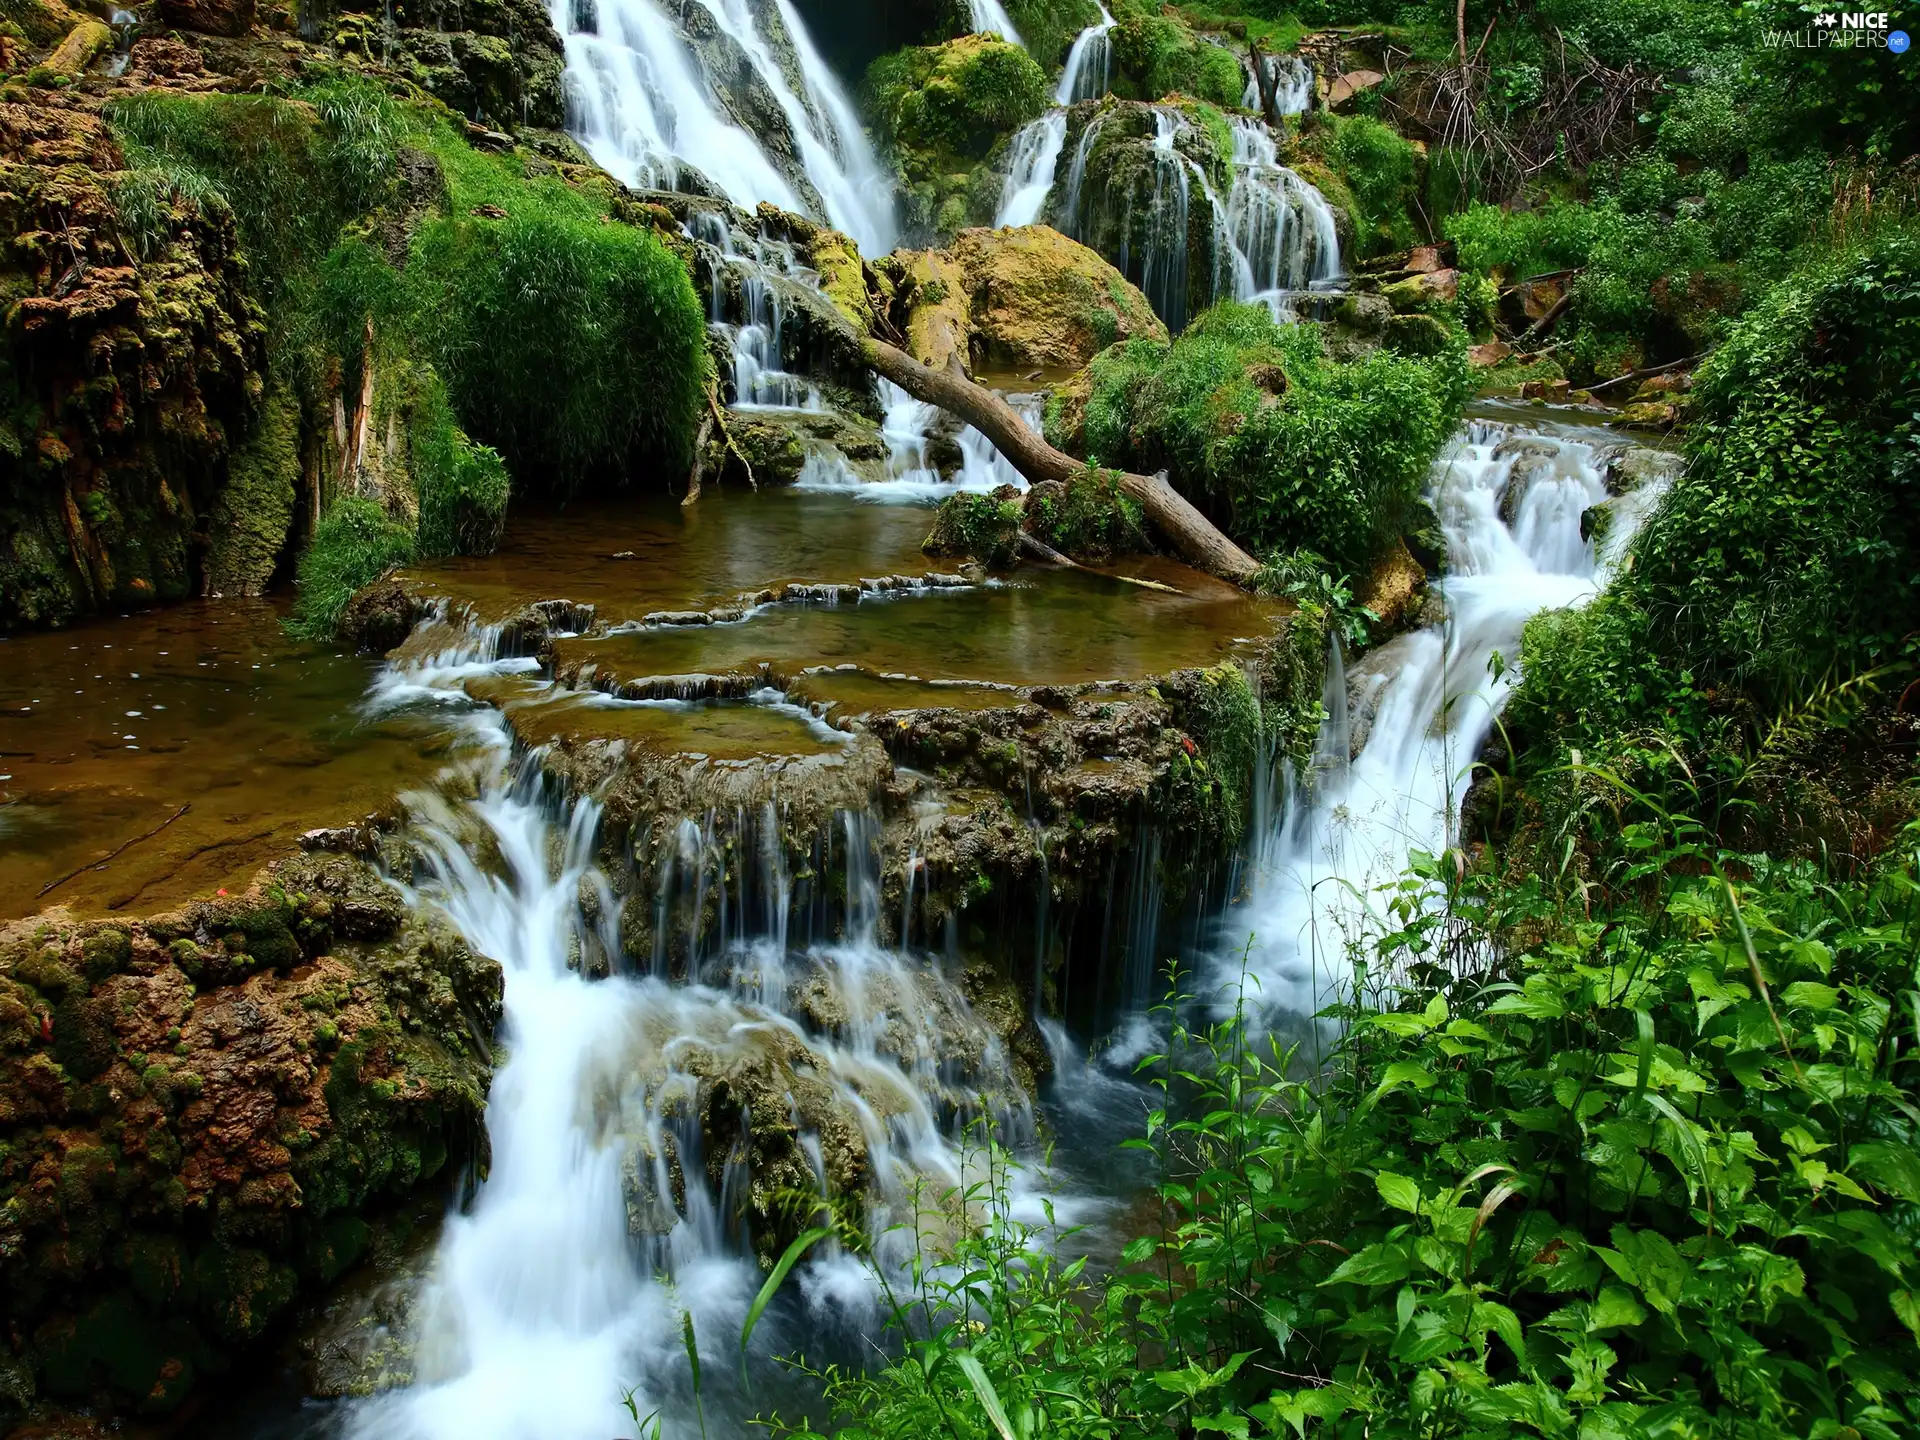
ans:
(990, 18)
(643, 107)
(1279, 231)
(1511, 505)
(1292, 80)
(1274, 235)
(1089, 72)
(760, 378)
(597, 1226)
(1033, 158)
(912, 478)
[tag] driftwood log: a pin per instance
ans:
(1197, 539)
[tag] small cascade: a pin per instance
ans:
(990, 18)
(760, 380)
(126, 25)
(912, 477)
(644, 102)
(627, 1124)
(1032, 160)
(1278, 232)
(1291, 77)
(1089, 72)
(1274, 236)
(1390, 778)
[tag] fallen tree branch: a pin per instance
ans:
(1649, 371)
(1197, 539)
(102, 863)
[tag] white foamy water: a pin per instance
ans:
(641, 103)
(912, 478)
(1431, 699)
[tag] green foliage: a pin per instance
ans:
(977, 527)
(463, 487)
(1306, 579)
(291, 172)
(1653, 1175)
(1788, 551)
(1049, 26)
(1285, 447)
(1380, 169)
(355, 545)
(1155, 55)
(255, 509)
(942, 104)
(574, 348)
(1091, 519)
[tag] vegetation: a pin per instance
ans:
(1781, 572)
(1283, 446)
(1091, 518)
(1049, 26)
(355, 545)
(1629, 1159)
(1156, 54)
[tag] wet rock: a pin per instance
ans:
(199, 1111)
(209, 17)
(1035, 298)
(1635, 466)
(1484, 357)
(1395, 588)
(1364, 314)
(1423, 293)
(382, 616)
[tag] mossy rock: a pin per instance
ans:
(984, 528)
(942, 107)
(255, 510)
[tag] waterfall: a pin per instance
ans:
(912, 477)
(757, 341)
(1278, 232)
(1032, 160)
(1089, 70)
(990, 18)
(1274, 235)
(642, 103)
(1510, 504)
(1292, 80)
(604, 1216)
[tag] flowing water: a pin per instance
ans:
(990, 18)
(1089, 71)
(1510, 503)
(657, 116)
(1034, 156)
(1292, 80)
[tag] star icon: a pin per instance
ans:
(1825, 18)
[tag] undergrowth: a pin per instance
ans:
(1629, 1159)
(354, 545)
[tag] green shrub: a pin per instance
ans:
(1380, 169)
(1092, 519)
(942, 104)
(978, 527)
(463, 487)
(1790, 549)
(1155, 55)
(355, 545)
(1284, 447)
(574, 348)
(1049, 26)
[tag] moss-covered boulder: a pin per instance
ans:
(205, 1111)
(128, 362)
(1156, 54)
(939, 111)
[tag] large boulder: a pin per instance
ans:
(1026, 298)
(209, 17)
(203, 1112)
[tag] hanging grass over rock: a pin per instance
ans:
(355, 545)
(1283, 447)
(574, 348)
(463, 486)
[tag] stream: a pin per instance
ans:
(739, 661)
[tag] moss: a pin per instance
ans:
(106, 952)
(255, 510)
(1378, 175)
(979, 527)
(355, 545)
(956, 99)
(1156, 55)
(1091, 518)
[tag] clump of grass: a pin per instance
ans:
(355, 545)
(575, 347)
(463, 486)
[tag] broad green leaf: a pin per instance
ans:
(1138, 1250)
(1225, 1423)
(1398, 1191)
(1381, 1263)
(790, 1257)
(1809, 995)
(1615, 1309)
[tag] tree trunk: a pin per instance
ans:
(1199, 542)
(1265, 82)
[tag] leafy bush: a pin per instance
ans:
(1282, 446)
(1630, 1160)
(1155, 56)
(954, 100)
(977, 527)
(463, 487)
(355, 545)
(1380, 169)
(1789, 550)
(574, 348)
(1049, 26)
(1091, 519)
